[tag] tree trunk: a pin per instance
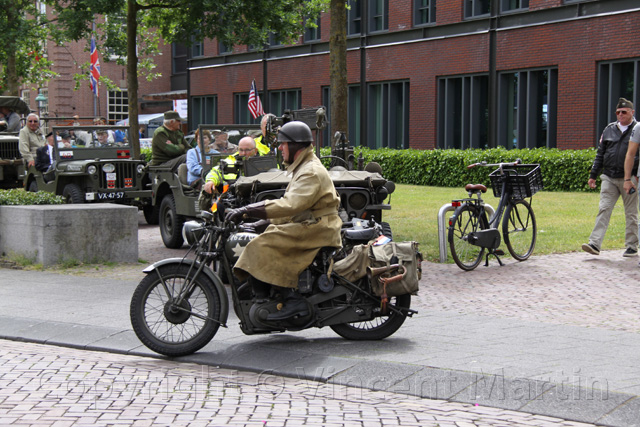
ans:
(13, 82)
(338, 69)
(132, 75)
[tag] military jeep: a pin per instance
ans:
(173, 200)
(11, 163)
(362, 192)
(93, 164)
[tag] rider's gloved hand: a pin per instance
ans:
(254, 210)
(256, 227)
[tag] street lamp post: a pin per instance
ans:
(41, 99)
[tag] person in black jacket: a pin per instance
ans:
(610, 160)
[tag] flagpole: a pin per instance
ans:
(95, 98)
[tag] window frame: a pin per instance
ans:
(430, 10)
(122, 95)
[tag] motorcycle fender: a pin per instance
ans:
(224, 298)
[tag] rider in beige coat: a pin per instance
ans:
(304, 220)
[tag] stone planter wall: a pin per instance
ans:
(52, 234)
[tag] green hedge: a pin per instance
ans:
(562, 170)
(18, 196)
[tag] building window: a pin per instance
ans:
(616, 79)
(353, 101)
(377, 12)
(463, 107)
(378, 15)
(117, 105)
(508, 5)
(223, 48)
(312, 33)
(527, 108)
(241, 109)
(197, 47)
(26, 97)
(354, 18)
(204, 110)
(44, 107)
(388, 115)
(281, 100)
(274, 40)
(424, 12)
(474, 8)
(179, 53)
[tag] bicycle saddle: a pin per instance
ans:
(476, 187)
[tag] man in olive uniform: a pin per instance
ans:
(168, 146)
(30, 139)
(303, 221)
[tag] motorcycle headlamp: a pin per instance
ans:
(192, 232)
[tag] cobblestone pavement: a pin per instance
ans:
(44, 385)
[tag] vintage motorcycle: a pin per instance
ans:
(180, 304)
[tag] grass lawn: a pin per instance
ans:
(564, 219)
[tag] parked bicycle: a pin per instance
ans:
(471, 232)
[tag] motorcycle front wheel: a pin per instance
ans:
(377, 328)
(172, 324)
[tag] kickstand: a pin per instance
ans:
(495, 253)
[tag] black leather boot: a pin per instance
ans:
(294, 305)
(260, 289)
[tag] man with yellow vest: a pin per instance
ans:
(215, 177)
(262, 141)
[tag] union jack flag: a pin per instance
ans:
(255, 106)
(94, 69)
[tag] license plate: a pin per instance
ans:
(111, 176)
(111, 196)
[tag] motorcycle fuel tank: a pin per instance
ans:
(236, 243)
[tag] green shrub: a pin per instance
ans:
(18, 196)
(562, 170)
(147, 153)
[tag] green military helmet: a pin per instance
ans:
(297, 132)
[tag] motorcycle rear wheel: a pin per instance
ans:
(377, 328)
(167, 327)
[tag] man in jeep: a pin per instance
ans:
(168, 146)
(9, 120)
(31, 138)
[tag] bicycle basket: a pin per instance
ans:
(522, 181)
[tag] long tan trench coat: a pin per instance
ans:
(304, 220)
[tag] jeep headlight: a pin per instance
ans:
(91, 169)
(192, 232)
(108, 168)
(140, 169)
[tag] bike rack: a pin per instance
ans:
(442, 228)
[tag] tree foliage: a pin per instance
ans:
(23, 46)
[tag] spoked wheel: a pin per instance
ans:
(377, 328)
(519, 229)
(173, 323)
(464, 221)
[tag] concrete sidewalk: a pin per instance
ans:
(555, 335)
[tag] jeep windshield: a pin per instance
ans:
(91, 142)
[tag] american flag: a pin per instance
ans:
(94, 69)
(255, 106)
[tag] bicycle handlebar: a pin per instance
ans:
(500, 165)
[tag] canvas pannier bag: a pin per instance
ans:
(363, 257)
(404, 254)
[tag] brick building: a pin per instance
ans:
(444, 73)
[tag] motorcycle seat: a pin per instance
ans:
(361, 234)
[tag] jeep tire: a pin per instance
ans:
(73, 194)
(151, 214)
(171, 223)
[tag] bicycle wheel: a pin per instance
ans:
(519, 229)
(168, 327)
(465, 220)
